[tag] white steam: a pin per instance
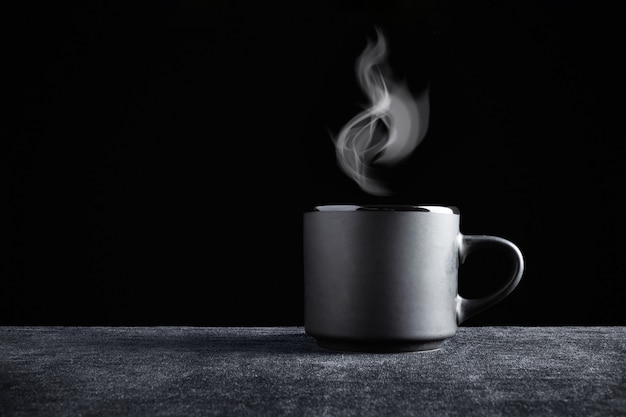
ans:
(388, 130)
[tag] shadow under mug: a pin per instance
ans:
(385, 278)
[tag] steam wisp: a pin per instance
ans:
(388, 130)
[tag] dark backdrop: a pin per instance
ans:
(165, 153)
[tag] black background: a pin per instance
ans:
(165, 153)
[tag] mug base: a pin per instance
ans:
(378, 346)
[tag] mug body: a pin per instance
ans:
(381, 278)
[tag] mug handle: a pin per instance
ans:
(466, 308)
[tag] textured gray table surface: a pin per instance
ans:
(195, 371)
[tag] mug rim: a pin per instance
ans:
(428, 208)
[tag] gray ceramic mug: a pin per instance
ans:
(385, 278)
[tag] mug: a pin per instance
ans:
(385, 278)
